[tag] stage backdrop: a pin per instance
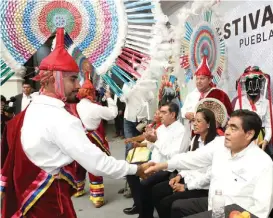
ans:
(248, 34)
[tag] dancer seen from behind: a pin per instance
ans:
(91, 115)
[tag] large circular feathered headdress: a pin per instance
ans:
(217, 107)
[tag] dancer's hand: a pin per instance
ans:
(127, 141)
(174, 181)
(156, 167)
(107, 93)
(142, 168)
(189, 116)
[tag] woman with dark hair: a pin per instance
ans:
(192, 183)
(204, 128)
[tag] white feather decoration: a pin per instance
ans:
(10, 61)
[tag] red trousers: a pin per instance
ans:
(96, 184)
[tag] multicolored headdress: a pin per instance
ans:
(217, 107)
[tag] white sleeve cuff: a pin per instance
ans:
(132, 169)
(181, 174)
(172, 165)
(111, 101)
(150, 145)
(267, 137)
(190, 186)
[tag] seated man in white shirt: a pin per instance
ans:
(240, 168)
(169, 142)
(188, 183)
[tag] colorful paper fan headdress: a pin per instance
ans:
(201, 37)
(217, 107)
(120, 38)
(97, 28)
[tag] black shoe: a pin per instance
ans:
(131, 210)
(121, 191)
(127, 193)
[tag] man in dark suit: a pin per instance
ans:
(23, 99)
(6, 113)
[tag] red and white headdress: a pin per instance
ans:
(203, 69)
(55, 66)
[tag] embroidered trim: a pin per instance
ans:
(96, 186)
(80, 185)
(96, 199)
(68, 176)
(96, 196)
(99, 140)
(34, 192)
(3, 184)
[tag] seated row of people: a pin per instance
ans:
(150, 190)
(189, 183)
(166, 141)
(239, 168)
(166, 190)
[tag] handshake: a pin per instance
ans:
(147, 169)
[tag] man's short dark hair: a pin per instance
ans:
(26, 83)
(173, 107)
(250, 121)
